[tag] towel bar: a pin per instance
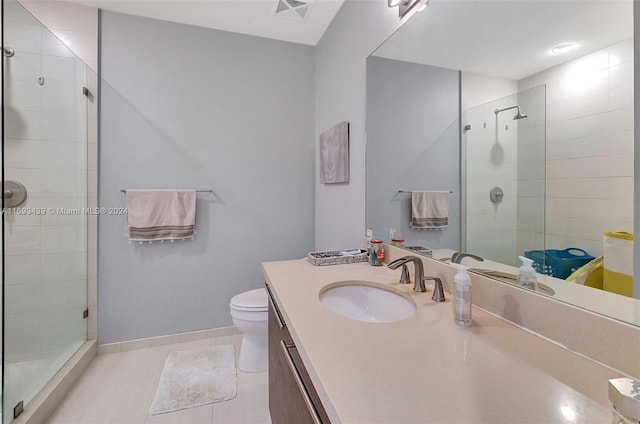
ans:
(409, 192)
(199, 191)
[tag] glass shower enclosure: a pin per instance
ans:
(44, 167)
(504, 162)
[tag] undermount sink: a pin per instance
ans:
(366, 301)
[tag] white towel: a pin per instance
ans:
(429, 210)
(161, 214)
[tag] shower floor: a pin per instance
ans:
(25, 379)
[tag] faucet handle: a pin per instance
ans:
(438, 290)
(405, 278)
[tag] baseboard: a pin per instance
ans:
(166, 340)
(40, 409)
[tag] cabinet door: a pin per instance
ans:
(288, 401)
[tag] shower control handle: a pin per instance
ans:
(14, 194)
(495, 195)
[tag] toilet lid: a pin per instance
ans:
(255, 300)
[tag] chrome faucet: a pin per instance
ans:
(457, 257)
(438, 290)
(419, 278)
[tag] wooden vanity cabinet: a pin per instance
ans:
(292, 397)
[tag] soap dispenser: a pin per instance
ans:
(461, 296)
(527, 275)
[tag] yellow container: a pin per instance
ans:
(618, 262)
(590, 275)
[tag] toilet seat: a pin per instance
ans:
(250, 301)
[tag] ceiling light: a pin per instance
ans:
(393, 3)
(563, 48)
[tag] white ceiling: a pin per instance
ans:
(508, 38)
(253, 17)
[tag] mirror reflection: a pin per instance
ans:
(528, 127)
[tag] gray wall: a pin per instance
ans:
(184, 106)
(413, 143)
(357, 30)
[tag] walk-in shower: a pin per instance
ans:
(519, 114)
(505, 177)
(44, 150)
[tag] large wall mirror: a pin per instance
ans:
(523, 112)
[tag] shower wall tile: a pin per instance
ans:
(64, 183)
(23, 37)
(620, 187)
(621, 97)
(556, 188)
(621, 120)
(22, 67)
(620, 209)
(64, 239)
(22, 153)
(23, 95)
(23, 269)
(59, 70)
(58, 99)
(58, 126)
(621, 75)
(22, 240)
(53, 46)
(621, 53)
(22, 125)
(590, 147)
(63, 266)
(557, 226)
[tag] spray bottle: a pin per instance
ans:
(527, 275)
(461, 296)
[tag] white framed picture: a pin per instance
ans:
(334, 154)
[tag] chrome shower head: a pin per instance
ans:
(519, 115)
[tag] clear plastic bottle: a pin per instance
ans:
(527, 275)
(462, 296)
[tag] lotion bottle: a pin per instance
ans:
(527, 275)
(461, 296)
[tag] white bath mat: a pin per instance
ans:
(196, 377)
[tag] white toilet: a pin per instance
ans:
(249, 315)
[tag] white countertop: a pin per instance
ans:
(426, 368)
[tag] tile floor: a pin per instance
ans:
(118, 388)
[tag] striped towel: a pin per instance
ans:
(161, 214)
(429, 210)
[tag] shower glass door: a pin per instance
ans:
(45, 236)
(505, 165)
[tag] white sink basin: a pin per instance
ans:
(365, 301)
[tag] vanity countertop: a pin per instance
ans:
(426, 368)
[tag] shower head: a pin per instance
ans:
(519, 115)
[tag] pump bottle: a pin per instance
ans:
(527, 275)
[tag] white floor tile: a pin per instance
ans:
(119, 388)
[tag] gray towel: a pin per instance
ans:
(429, 210)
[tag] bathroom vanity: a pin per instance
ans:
(325, 367)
